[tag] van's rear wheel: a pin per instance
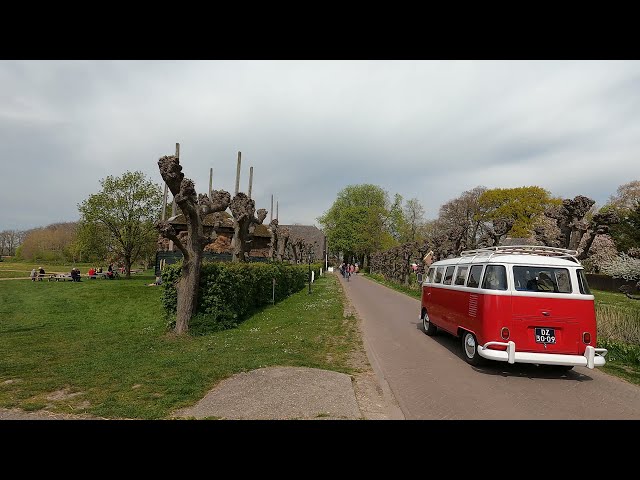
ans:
(428, 327)
(470, 349)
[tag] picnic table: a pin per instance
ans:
(103, 275)
(58, 277)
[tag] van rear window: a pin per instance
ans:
(541, 279)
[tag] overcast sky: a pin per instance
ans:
(425, 129)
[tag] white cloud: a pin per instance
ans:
(425, 129)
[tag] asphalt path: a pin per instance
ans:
(430, 379)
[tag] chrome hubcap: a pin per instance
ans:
(425, 320)
(469, 345)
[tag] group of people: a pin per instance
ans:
(93, 270)
(348, 269)
(75, 274)
(98, 271)
(37, 274)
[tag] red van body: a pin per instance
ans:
(517, 304)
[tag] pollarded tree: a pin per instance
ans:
(282, 234)
(245, 218)
(571, 220)
(127, 207)
(191, 244)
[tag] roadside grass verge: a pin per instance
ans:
(412, 291)
(101, 347)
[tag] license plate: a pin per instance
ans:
(545, 335)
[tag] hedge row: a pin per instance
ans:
(230, 292)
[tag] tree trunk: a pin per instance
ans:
(127, 266)
(238, 244)
(195, 208)
(187, 288)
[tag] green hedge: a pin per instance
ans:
(230, 292)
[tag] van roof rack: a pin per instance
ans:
(523, 250)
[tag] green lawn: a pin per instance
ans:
(105, 340)
(25, 267)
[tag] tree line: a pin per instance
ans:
(364, 225)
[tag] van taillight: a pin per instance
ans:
(504, 333)
(586, 338)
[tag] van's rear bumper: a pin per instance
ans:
(593, 357)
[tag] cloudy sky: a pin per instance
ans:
(425, 129)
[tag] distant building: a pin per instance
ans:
(311, 235)
(222, 223)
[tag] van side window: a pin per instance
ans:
(474, 276)
(439, 275)
(448, 276)
(431, 274)
(461, 274)
(495, 278)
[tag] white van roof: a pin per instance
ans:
(518, 254)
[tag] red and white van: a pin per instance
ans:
(516, 304)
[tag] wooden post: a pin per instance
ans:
(238, 173)
(250, 181)
(210, 182)
(271, 211)
(163, 216)
(173, 206)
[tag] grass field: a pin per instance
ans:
(101, 347)
(23, 269)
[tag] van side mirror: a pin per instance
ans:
(419, 278)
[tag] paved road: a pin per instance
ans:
(431, 380)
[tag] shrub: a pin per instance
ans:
(230, 292)
(622, 266)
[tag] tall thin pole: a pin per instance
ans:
(238, 173)
(250, 180)
(309, 273)
(163, 216)
(173, 205)
(210, 182)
